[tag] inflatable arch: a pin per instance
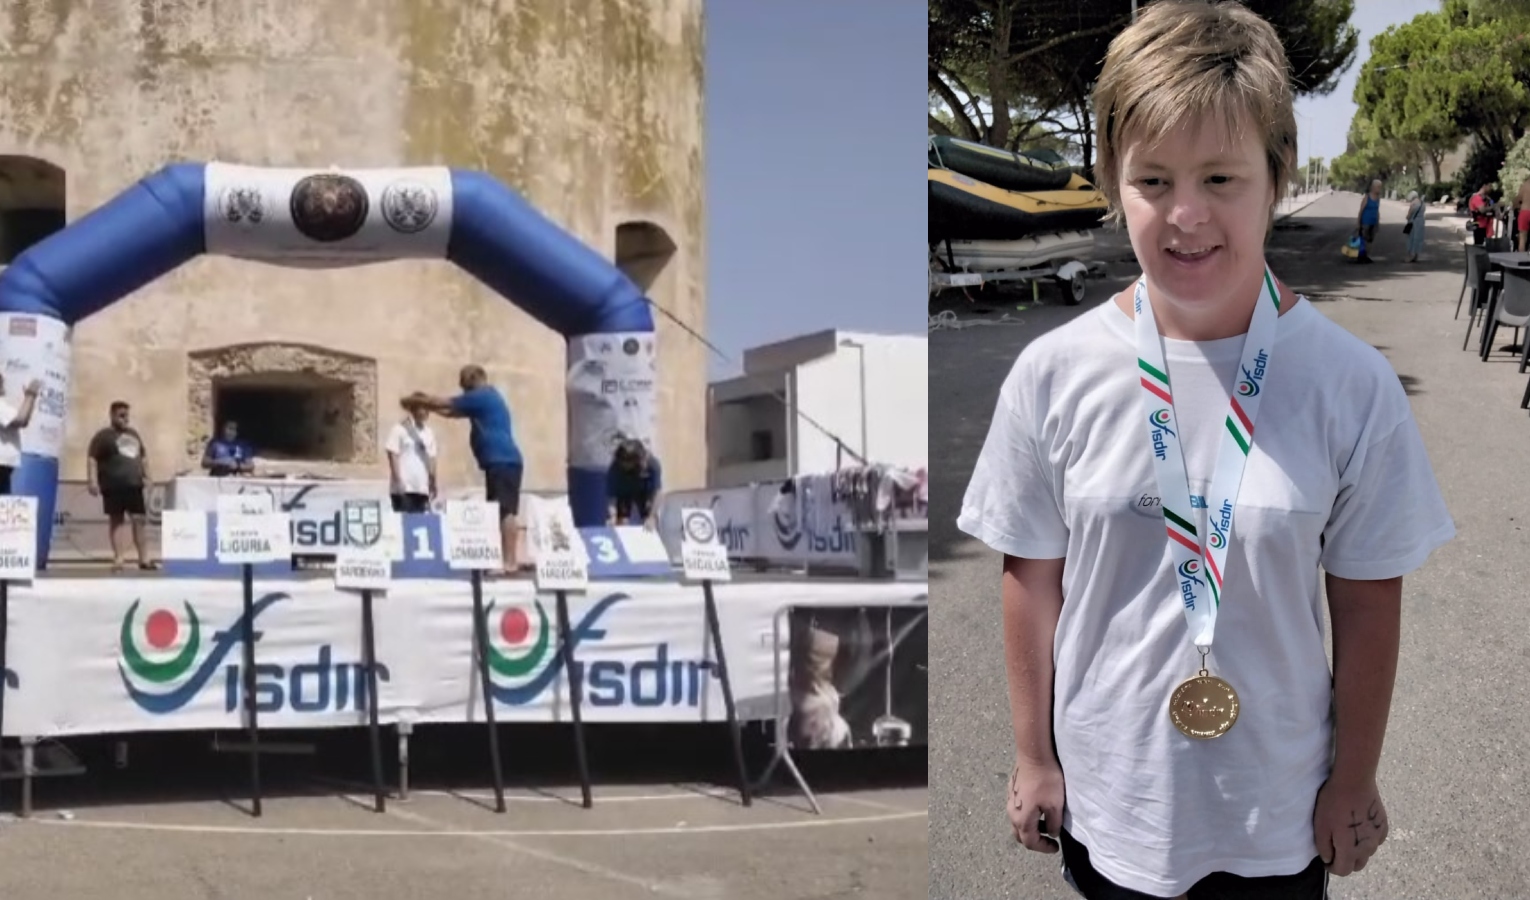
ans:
(307, 218)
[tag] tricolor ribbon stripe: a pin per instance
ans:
(1185, 547)
(1161, 393)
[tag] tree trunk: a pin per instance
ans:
(998, 77)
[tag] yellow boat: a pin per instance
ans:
(963, 208)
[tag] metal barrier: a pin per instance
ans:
(782, 708)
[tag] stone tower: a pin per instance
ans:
(591, 109)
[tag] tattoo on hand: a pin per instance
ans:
(1355, 826)
(1377, 815)
(1014, 785)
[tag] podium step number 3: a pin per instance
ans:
(704, 559)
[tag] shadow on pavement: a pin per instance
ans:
(180, 767)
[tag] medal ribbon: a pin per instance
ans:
(1198, 565)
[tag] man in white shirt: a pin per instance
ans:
(411, 447)
(12, 420)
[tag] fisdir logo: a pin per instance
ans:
(1249, 385)
(163, 666)
(523, 663)
(1159, 421)
(733, 536)
(1189, 577)
(1220, 525)
(790, 532)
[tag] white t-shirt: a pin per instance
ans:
(10, 437)
(1337, 478)
(414, 445)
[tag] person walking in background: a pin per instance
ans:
(492, 439)
(411, 448)
(1522, 212)
(12, 420)
(1414, 226)
(1178, 730)
(1368, 218)
(1482, 210)
(117, 470)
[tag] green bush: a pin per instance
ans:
(1438, 190)
(1482, 165)
(1516, 167)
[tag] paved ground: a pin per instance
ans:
(174, 826)
(1454, 774)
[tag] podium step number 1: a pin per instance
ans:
(563, 567)
(470, 538)
(372, 540)
(18, 563)
(704, 559)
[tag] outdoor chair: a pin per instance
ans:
(1512, 309)
(1481, 279)
(1466, 276)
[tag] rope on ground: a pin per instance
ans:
(946, 320)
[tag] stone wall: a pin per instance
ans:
(591, 109)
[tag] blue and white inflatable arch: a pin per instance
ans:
(308, 218)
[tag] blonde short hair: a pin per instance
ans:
(1187, 59)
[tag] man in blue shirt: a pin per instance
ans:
(492, 439)
(227, 455)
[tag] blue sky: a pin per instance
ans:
(815, 140)
(815, 136)
(1322, 123)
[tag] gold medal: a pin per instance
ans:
(1204, 707)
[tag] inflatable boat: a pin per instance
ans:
(1025, 253)
(1000, 168)
(963, 208)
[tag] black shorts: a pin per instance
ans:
(411, 503)
(1310, 883)
(123, 501)
(502, 485)
(626, 506)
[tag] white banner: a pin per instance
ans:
(611, 391)
(317, 508)
(752, 524)
(107, 655)
(317, 218)
(37, 347)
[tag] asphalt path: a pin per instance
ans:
(1454, 773)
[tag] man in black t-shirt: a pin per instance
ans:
(117, 468)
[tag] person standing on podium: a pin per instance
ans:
(411, 450)
(227, 455)
(12, 420)
(632, 484)
(492, 440)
